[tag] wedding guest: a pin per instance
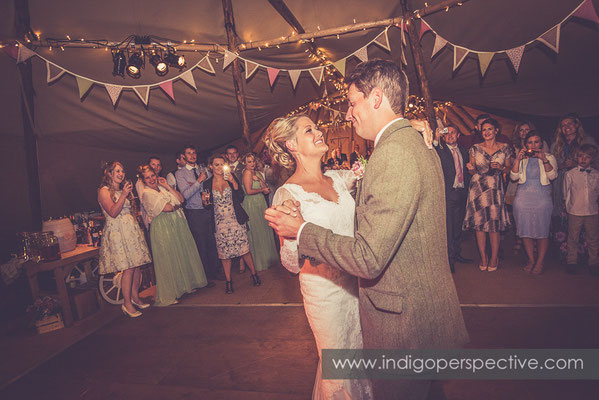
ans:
(485, 207)
(581, 191)
(533, 171)
(353, 157)
(453, 162)
(338, 159)
(156, 165)
(170, 177)
(467, 141)
(190, 181)
(123, 247)
(261, 237)
(232, 153)
(177, 264)
(224, 196)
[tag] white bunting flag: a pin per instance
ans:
(515, 56)
(187, 77)
(459, 54)
(294, 75)
(24, 54)
(83, 84)
(484, 59)
(143, 92)
(114, 92)
(340, 65)
(362, 54)
(229, 57)
(439, 44)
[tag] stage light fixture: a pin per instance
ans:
(135, 64)
(159, 65)
(119, 63)
(174, 60)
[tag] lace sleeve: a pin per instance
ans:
(289, 251)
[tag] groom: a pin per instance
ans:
(399, 251)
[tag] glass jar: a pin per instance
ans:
(34, 246)
(49, 247)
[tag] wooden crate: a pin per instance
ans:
(49, 324)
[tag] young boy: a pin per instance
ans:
(581, 191)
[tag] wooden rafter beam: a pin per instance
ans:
(287, 15)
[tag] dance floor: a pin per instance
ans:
(256, 343)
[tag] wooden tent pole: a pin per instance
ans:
(420, 71)
(30, 141)
(237, 80)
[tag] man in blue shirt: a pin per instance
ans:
(190, 179)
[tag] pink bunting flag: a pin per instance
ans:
(143, 92)
(272, 74)
(294, 75)
(424, 27)
(114, 92)
(12, 51)
(24, 54)
(187, 77)
(362, 54)
(587, 11)
(229, 57)
(515, 56)
(551, 38)
(439, 44)
(459, 54)
(167, 87)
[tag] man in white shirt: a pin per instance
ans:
(581, 192)
(232, 153)
(170, 177)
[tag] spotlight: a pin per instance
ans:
(174, 60)
(159, 65)
(134, 65)
(120, 61)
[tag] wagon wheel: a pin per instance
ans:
(110, 288)
(95, 265)
(76, 277)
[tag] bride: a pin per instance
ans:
(330, 295)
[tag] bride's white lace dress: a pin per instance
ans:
(330, 295)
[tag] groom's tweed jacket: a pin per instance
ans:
(407, 296)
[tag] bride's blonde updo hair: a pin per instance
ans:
(278, 132)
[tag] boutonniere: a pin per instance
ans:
(359, 167)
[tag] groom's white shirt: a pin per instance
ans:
(376, 140)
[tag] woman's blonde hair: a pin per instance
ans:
(107, 181)
(560, 142)
(278, 132)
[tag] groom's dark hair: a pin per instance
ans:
(385, 75)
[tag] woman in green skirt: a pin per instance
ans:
(177, 264)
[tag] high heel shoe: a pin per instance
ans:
(130, 314)
(256, 279)
(493, 268)
(483, 267)
(140, 305)
(537, 271)
(229, 287)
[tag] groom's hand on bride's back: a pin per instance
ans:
(285, 218)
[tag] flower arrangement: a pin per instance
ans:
(44, 307)
(359, 167)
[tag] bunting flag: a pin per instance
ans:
(114, 92)
(206, 65)
(484, 59)
(317, 74)
(167, 87)
(551, 38)
(439, 44)
(335, 114)
(424, 27)
(340, 65)
(294, 75)
(459, 54)
(272, 74)
(187, 77)
(515, 56)
(84, 85)
(382, 40)
(12, 51)
(54, 72)
(362, 54)
(229, 57)
(587, 11)
(250, 68)
(143, 92)
(24, 54)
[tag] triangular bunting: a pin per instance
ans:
(362, 53)
(167, 87)
(484, 59)
(294, 75)
(317, 74)
(335, 114)
(114, 92)
(551, 38)
(587, 11)
(206, 65)
(24, 54)
(229, 57)
(515, 56)
(459, 54)
(54, 72)
(143, 92)
(84, 85)
(250, 68)
(11, 50)
(187, 77)
(423, 28)
(439, 44)
(340, 65)
(272, 74)
(382, 40)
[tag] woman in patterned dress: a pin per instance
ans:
(224, 194)
(123, 248)
(485, 207)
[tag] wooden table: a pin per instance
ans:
(83, 253)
